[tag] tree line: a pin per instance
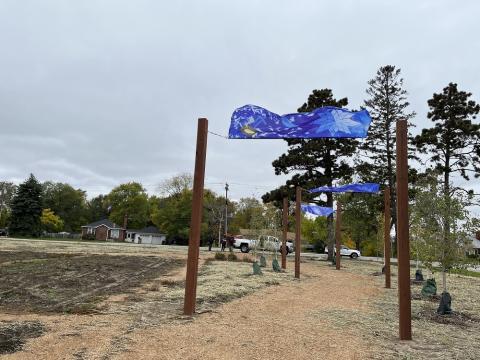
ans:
(33, 208)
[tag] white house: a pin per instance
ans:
(475, 250)
(148, 235)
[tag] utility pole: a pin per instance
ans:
(226, 208)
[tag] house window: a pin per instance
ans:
(89, 231)
(115, 234)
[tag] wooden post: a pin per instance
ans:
(386, 236)
(404, 296)
(197, 204)
(338, 235)
(298, 228)
(285, 230)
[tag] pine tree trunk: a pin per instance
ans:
(446, 233)
(330, 235)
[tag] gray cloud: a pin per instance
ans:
(100, 92)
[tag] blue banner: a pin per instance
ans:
(317, 210)
(255, 122)
(359, 188)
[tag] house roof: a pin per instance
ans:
(147, 230)
(106, 222)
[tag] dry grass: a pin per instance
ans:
(221, 281)
(434, 336)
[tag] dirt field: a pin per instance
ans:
(95, 301)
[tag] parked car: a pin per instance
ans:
(263, 243)
(345, 251)
(3, 232)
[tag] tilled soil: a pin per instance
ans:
(73, 283)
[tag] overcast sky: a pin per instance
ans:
(96, 93)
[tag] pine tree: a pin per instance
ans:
(454, 141)
(454, 145)
(386, 104)
(317, 162)
(27, 209)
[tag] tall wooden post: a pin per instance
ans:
(338, 235)
(197, 204)
(298, 229)
(403, 244)
(386, 236)
(285, 230)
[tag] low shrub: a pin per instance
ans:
(232, 257)
(220, 256)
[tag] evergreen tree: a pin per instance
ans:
(454, 141)
(386, 104)
(27, 209)
(316, 162)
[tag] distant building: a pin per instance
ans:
(107, 230)
(148, 235)
(475, 248)
(103, 230)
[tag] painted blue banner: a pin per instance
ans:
(359, 188)
(255, 122)
(317, 210)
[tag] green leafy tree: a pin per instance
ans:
(7, 192)
(315, 232)
(129, 199)
(97, 208)
(431, 215)
(26, 209)
(360, 214)
(176, 184)
(315, 162)
(50, 222)
(173, 215)
(246, 208)
(387, 103)
(4, 218)
(68, 203)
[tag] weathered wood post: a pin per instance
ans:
(403, 243)
(298, 228)
(338, 235)
(386, 236)
(285, 230)
(195, 223)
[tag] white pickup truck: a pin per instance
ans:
(345, 251)
(263, 243)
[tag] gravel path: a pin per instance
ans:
(280, 322)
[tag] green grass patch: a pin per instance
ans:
(465, 272)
